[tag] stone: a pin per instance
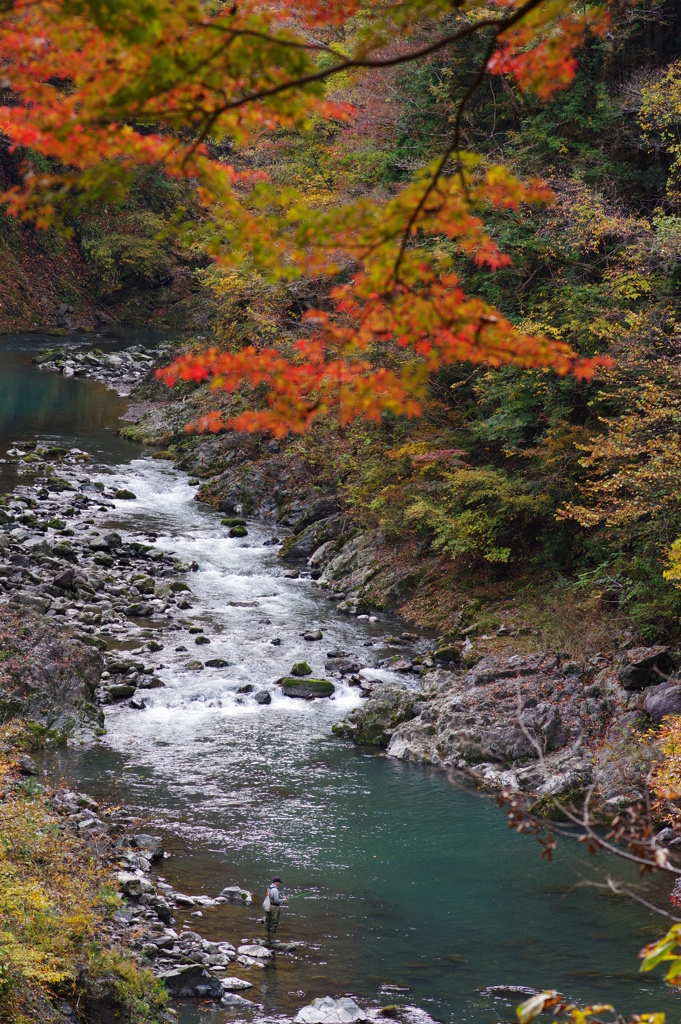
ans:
(663, 700)
(152, 845)
(68, 579)
(256, 951)
(124, 494)
(235, 985)
(375, 722)
(193, 666)
(27, 765)
(190, 980)
(238, 531)
(217, 663)
(232, 999)
(313, 634)
(133, 885)
(235, 894)
(137, 703)
(330, 1011)
(263, 697)
(201, 640)
(301, 668)
(306, 688)
(120, 691)
(449, 653)
(637, 668)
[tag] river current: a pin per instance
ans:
(411, 888)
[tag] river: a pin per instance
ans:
(414, 890)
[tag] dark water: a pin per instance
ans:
(416, 881)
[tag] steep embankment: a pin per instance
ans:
(117, 267)
(63, 943)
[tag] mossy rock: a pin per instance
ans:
(301, 668)
(231, 521)
(449, 653)
(177, 587)
(125, 494)
(121, 691)
(238, 531)
(306, 688)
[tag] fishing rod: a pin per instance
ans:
(305, 892)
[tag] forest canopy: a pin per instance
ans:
(465, 213)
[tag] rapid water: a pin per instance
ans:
(416, 892)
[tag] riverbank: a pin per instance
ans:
(236, 789)
(536, 696)
(65, 948)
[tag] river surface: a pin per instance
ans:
(413, 890)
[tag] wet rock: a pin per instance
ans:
(313, 634)
(331, 1011)
(137, 703)
(191, 980)
(256, 951)
(217, 663)
(231, 999)
(375, 722)
(238, 531)
(235, 894)
(235, 985)
(193, 666)
(201, 640)
(151, 845)
(307, 688)
(508, 992)
(263, 697)
(301, 668)
(120, 691)
(124, 494)
(305, 543)
(150, 683)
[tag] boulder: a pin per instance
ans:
(235, 985)
(313, 634)
(377, 719)
(331, 1011)
(232, 999)
(235, 894)
(263, 697)
(152, 845)
(301, 668)
(637, 668)
(663, 700)
(120, 691)
(190, 980)
(133, 886)
(306, 688)
(256, 951)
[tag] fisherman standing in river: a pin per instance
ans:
(273, 903)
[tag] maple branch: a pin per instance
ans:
(501, 26)
(454, 146)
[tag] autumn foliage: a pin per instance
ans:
(102, 90)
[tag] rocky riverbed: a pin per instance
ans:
(540, 722)
(85, 594)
